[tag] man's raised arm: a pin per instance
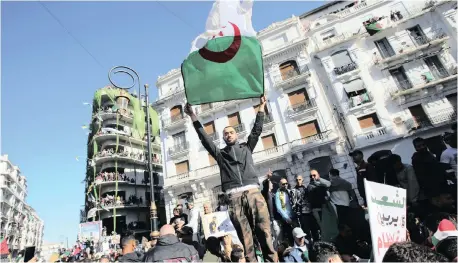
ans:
(258, 123)
(207, 142)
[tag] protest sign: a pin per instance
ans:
(219, 224)
(90, 230)
(387, 216)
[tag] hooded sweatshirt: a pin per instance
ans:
(170, 249)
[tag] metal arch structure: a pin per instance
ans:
(128, 71)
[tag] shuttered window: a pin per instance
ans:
(308, 129)
(269, 141)
(175, 111)
(182, 167)
(209, 127)
(297, 97)
(234, 119)
(289, 69)
(211, 160)
(369, 121)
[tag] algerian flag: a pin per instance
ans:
(225, 62)
(445, 229)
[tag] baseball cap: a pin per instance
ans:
(356, 152)
(298, 232)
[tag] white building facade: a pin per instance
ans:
(328, 93)
(14, 211)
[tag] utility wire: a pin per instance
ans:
(175, 15)
(68, 32)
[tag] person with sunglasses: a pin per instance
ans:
(283, 204)
(303, 210)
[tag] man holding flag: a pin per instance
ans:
(239, 179)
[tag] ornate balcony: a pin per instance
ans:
(270, 154)
(311, 141)
(179, 150)
(298, 110)
(174, 121)
(373, 136)
(240, 128)
(292, 78)
(345, 69)
(426, 122)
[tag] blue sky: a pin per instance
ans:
(47, 75)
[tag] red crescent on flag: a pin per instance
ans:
(225, 55)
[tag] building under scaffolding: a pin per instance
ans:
(117, 181)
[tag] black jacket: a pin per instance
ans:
(235, 161)
(170, 249)
(131, 257)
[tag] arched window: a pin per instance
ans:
(176, 112)
(341, 58)
(289, 69)
(323, 165)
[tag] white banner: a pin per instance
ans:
(387, 216)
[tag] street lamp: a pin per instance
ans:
(134, 76)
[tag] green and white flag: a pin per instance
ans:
(225, 62)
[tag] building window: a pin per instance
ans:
(211, 160)
(176, 112)
(309, 129)
(298, 97)
(437, 69)
(452, 99)
(182, 167)
(384, 48)
(356, 92)
(342, 62)
(179, 138)
(209, 128)
(400, 77)
(417, 35)
(419, 117)
(289, 69)
(325, 36)
(323, 165)
(269, 141)
(369, 122)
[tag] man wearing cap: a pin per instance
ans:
(364, 170)
(239, 179)
(300, 251)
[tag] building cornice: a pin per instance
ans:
(293, 46)
(277, 26)
(172, 73)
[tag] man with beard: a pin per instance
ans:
(239, 179)
(304, 210)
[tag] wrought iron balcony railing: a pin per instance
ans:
(239, 128)
(302, 106)
(346, 68)
(179, 148)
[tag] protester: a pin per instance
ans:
(340, 192)
(348, 245)
(169, 248)
(129, 243)
(186, 236)
(268, 192)
(239, 179)
(283, 206)
(430, 175)
(194, 220)
(449, 155)
(304, 210)
(104, 259)
(324, 252)
(411, 252)
(406, 178)
(299, 252)
(223, 202)
(364, 170)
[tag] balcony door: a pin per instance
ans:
(419, 116)
(289, 69)
(269, 141)
(369, 122)
(356, 92)
(298, 98)
(323, 165)
(400, 78)
(417, 35)
(384, 48)
(179, 139)
(176, 112)
(341, 58)
(209, 128)
(308, 129)
(182, 167)
(436, 67)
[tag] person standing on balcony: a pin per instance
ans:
(239, 179)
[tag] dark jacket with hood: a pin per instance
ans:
(131, 257)
(235, 161)
(170, 249)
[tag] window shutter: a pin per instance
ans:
(234, 119)
(308, 129)
(175, 111)
(269, 141)
(209, 127)
(182, 167)
(367, 122)
(297, 97)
